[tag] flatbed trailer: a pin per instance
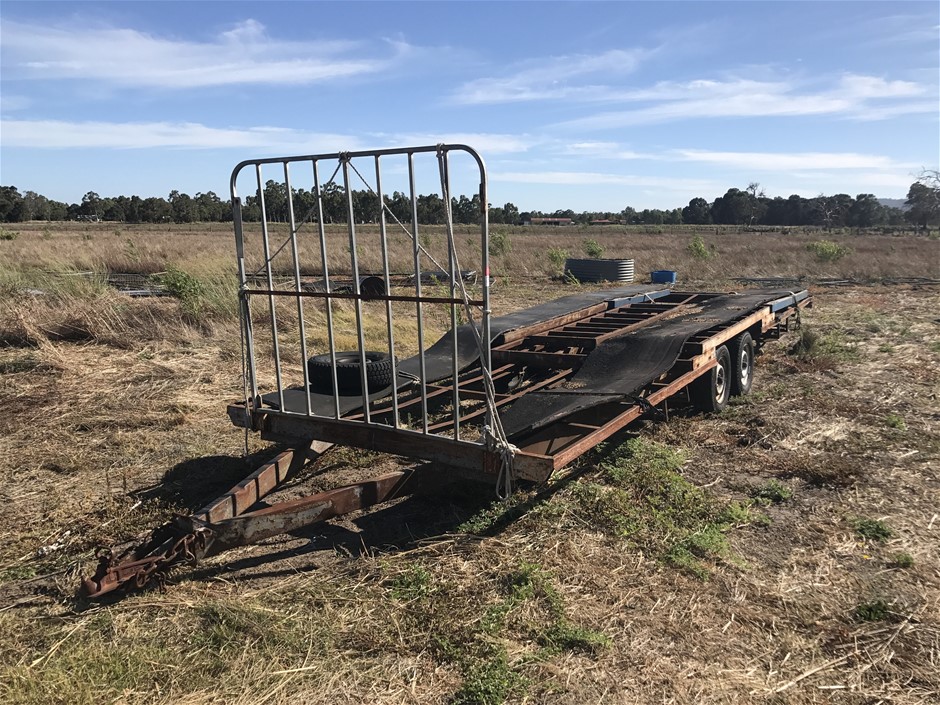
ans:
(497, 399)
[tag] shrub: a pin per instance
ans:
(499, 243)
(593, 249)
(557, 257)
(8, 234)
(828, 251)
(698, 249)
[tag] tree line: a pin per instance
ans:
(748, 207)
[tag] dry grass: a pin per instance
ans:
(114, 420)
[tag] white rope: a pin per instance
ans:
(494, 435)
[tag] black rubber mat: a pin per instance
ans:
(437, 358)
(622, 366)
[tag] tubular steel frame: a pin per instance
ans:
(361, 426)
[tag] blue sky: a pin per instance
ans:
(590, 106)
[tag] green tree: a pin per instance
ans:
(697, 212)
(923, 200)
(11, 204)
(866, 212)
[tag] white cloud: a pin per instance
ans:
(551, 78)
(244, 54)
(771, 161)
(584, 178)
(58, 134)
(855, 96)
(485, 143)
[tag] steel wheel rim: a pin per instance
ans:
(745, 366)
(720, 382)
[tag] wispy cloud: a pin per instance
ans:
(851, 95)
(485, 143)
(243, 54)
(586, 178)
(552, 78)
(779, 161)
(58, 134)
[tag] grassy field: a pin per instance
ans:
(784, 551)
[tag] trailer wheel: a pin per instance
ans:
(742, 364)
(348, 375)
(710, 392)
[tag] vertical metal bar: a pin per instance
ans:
(383, 237)
(454, 273)
(267, 266)
(292, 223)
(417, 264)
(354, 260)
(485, 260)
(326, 283)
(243, 299)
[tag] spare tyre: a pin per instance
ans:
(348, 373)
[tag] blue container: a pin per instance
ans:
(663, 276)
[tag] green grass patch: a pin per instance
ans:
(872, 529)
(564, 636)
(413, 584)
(773, 492)
(872, 611)
(641, 497)
(489, 680)
(833, 346)
(903, 561)
(895, 421)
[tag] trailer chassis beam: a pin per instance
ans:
(226, 523)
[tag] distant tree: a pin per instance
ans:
(923, 199)
(91, 205)
(11, 204)
(866, 212)
(431, 209)
(697, 212)
(652, 216)
(155, 210)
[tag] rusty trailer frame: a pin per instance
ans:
(458, 390)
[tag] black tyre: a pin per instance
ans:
(348, 375)
(742, 364)
(710, 392)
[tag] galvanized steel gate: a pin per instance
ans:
(274, 266)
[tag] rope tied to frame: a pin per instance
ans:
(799, 313)
(494, 434)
